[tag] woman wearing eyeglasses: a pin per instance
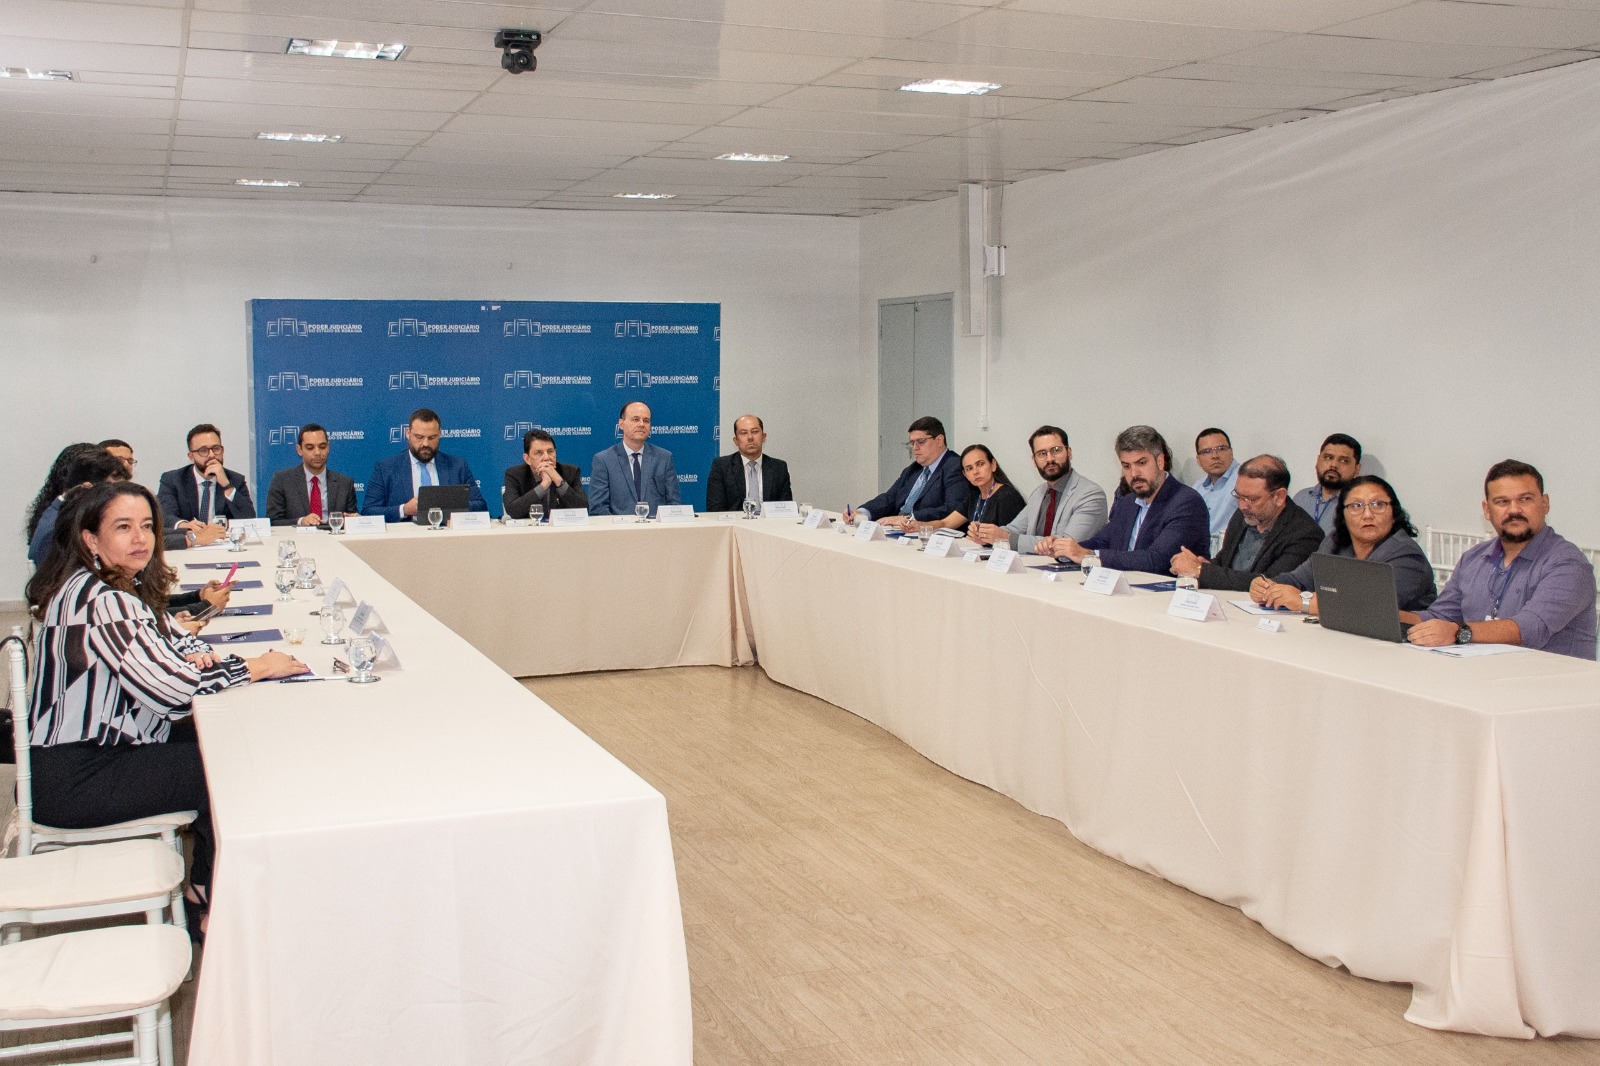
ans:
(1369, 524)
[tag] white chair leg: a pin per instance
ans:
(164, 1034)
(145, 1044)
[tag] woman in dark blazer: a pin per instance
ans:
(992, 498)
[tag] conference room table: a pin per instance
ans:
(1413, 817)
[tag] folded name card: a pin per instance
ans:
(869, 531)
(1108, 582)
(1003, 561)
(675, 512)
(1195, 605)
(939, 547)
(255, 529)
(365, 523)
(780, 509)
(337, 593)
(568, 517)
(817, 520)
(469, 520)
(366, 620)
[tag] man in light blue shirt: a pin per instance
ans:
(1214, 452)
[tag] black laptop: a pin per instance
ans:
(1357, 596)
(448, 498)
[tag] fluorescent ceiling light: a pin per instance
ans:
(752, 157)
(314, 138)
(299, 46)
(949, 87)
(644, 195)
(35, 75)
(268, 183)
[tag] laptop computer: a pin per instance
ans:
(448, 498)
(1357, 596)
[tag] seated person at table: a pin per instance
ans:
(306, 493)
(1068, 505)
(113, 675)
(1369, 524)
(991, 495)
(1219, 470)
(1528, 586)
(632, 471)
(539, 479)
(172, 539)
(392, 488)
(195, 496)
(1337, 462)
(1155, 518)
(734, 480)
(927, 490)
(89, 467)
(1267, 536)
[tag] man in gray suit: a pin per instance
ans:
(633, 470)
(1066, 505)
(306, 494)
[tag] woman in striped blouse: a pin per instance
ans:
(113, 674)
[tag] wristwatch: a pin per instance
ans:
(1464, 634)
(1305, 601)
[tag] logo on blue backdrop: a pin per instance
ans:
(528, 379)
(295, 327)
(527, 327)
(515, 430)
(288, 380)
(716, 333)
(633, 327)
(641, 379)
(416, 379)
(416, 327)
(284, 435)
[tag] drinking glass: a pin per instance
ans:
(336, 522)
(236, 538)
(641, 511)
(221, 522)
(435, 517)
(306, 568)
(805, 512)
(924, 532)
(284, 578)
(363, 652)
(288, 552)
(332, 622)
(751, 509)
(536, 513)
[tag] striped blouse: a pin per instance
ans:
(107, 673)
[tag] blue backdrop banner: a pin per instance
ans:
(492, 371)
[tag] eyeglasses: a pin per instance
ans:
(1375, 506)
(1050, 453)
(1218, 450)
(213, 449)
(916, 442)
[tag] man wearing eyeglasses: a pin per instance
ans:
(1214, 452)
(1066, 505)
(193, 496)
(1528, 586)
(1265, 537)
(927, 490)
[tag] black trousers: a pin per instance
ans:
(80, 786)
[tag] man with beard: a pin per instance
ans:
(1068, 505)
(1150, 523)
(1528, 586)
(1266, 536)
(392, 488)
(1338, 462)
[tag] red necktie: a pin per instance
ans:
(316, 497)
(1049, 517)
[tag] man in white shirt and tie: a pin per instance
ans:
(747, 474)
(306, 493)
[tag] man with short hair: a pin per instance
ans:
(392, 488)
(749, 473)
(633, 470)
(539, 479)
(193, 496)
(1068, 505)
(1214, 452)
(1528, 586)
(1155, 518)
(305, 494)
(122, 450)
(173, 539)
(1338, 462)
(1266, 536)
(927, 490)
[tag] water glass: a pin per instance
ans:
(336, 522)
(236, 538)
(284, 578)
(924, 532)
(805, 512)
(536, 513)
(287, 552)
(332, 622)
(221, 522)
(641, 511)
(306, 568)
(752, 509)
(435, 517)
(363, 653)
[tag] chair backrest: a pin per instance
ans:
(16, 653)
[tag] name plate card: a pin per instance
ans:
(675, 512)
(780, 509)
(869, 531)
(255, 529)
(1003, 561)
(1107, 582)
(337, 593)
(1195, 605)
(386, 657)
(939, 547)
(366, 620)
(817, 520)
(365, 523)
(843, 527)
(1270, 625)
(569, 517)
(469, 520)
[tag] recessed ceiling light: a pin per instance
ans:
(35, 75)
(644, 195)
(314, 138)
(752, 157)
(949, 87)
(299, 46)
(268, 183)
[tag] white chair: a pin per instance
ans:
(94, 881)
(95, 975)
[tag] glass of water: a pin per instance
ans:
(336, 522)
(221, 522)
(236, 538)
(288, 552)
(363, 652)
(805, 512)
(435, 517)
(924, 532)
(641, 511)
(284, 578)
(332, 622)
(751, 509)
(536, 513)
(306, 571)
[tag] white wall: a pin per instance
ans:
(125, 317)
(1421, 274)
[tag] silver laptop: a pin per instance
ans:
(1357, 596)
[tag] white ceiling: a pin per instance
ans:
(640, 95)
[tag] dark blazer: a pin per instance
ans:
(725, 486)
(389, 487)
(180, 497)
(1178, 518)
(611, 480)
(1002, 507)
(1291, 541)
(1414, 584)
(518, 492)
(946, 491)
(288, 501)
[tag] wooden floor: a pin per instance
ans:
(847, 901)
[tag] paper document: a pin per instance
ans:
(1468, 651)
(1252, 607)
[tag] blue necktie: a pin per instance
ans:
(916, 491)
(427, 476)
(205, 500)
(638, 478)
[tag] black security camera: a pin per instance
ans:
(518, 46)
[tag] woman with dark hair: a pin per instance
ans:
(55, 482)
(1370, 524)
(992, 497)
(112, 674)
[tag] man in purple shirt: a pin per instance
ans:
(1529, 586)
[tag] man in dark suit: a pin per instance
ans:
(191, 496)
(733, 477)
(1266, 536)
(307, 493)
(927, 490)
(392, 488)
(1156, 516)
(633, 470)
(539, 479)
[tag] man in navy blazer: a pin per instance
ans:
(392, 488)
(632, 470)
(1156, 517)
(927, 490)
(191, 496)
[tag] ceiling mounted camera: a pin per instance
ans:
(518, 46)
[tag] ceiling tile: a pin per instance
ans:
(1451, 22)
(1327, 52)
(1009, 28)
(1293, 16)
(119, 24)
